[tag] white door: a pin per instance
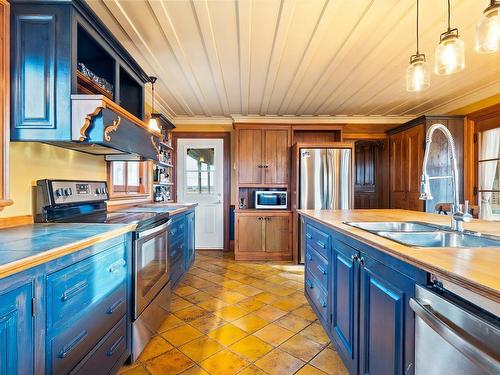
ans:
(200, 180)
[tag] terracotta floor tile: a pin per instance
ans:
(251, 304)
(266, 297)
(251, 348)
(292, 322)
(207, 323)
(231, 284)
(172, 362)
(269, 313)
(201, 348)
(199, 283)
(232, 297)
(224, 363)
(198, 297)
(274, 334)
(213, 304)
(171, 321)
(286, 304)
(227, 334)
(329, 361)
(133, 369)
(248, 290)
(250, 323)
(185, 290)
(301, 347)
(252, 370)
(191, 313)
(195, 370)
(231, 313)
(305, 312)
(315, 332)
(179, 304)
(310, 370)
(279, 362)
(181, 335)
(156, 346)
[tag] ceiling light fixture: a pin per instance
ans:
(417, 74)
(450, 51)
(488, 29)
(153, 122)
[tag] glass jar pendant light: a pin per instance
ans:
(153, 122)
(488, 29)
(417, 73)
(450, 51)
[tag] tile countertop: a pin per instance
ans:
(476, 269)
(27, 246)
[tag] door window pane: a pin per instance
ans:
(489, 174)
(133, 175)
(119, 173)
(200, 171)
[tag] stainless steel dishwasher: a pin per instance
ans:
(453, 336)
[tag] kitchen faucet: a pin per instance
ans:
(457, 215)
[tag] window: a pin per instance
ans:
(200, 171)
(488, 173)
(127, 179)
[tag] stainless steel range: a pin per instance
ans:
(85, 202)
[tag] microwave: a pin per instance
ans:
(270, 200)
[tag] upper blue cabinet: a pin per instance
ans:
(60, 49)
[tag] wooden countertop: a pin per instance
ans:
(477, 269)
(27, 246)
(174, 208)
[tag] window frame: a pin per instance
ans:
(120, 192)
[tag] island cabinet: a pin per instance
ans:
(181, 245)
(262, 235)
(361, 297)
(70, 315)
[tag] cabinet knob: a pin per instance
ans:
(362, 261)
(354, 258)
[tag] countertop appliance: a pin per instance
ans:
(325, 180)
(270, 200)
(453, 336)
(67, 201)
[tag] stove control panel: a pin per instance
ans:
(67, 192)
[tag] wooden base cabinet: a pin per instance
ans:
(263, 236)
(367, 315)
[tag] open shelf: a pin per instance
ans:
(87, 86)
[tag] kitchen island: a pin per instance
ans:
(362, 286)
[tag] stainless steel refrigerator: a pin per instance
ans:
(325, 180)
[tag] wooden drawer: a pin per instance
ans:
(317, 266)
(317, 239)
(109, 351)
(317, 295)
(71, 345)
(73, 289)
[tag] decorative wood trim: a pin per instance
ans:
(320, 119)
(226, 137)
(4, 102)
(86, 123)
(111, 128)
(15, 221)
(364, 136)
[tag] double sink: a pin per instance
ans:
(418, 234)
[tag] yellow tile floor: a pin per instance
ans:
(239, 318)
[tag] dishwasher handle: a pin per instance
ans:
(454, 337)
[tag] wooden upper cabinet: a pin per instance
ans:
(276, 156)
(277, 235)
(263, 156)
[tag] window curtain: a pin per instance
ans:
(489, 149)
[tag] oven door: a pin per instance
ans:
(150, 265)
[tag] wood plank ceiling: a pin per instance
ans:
(297, 57)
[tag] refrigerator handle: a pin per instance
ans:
(324, 203)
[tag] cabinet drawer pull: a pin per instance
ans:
(362, 262)
(114, 306)
(321, 244)
(117, 265)
(73, 291)
(322, 270)
(323, 304)
(66, 350)
(113, 348)
(308, 235)
(309, 284)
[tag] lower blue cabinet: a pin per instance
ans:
(16, 330)
(181, 245)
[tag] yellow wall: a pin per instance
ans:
(34, 161)
(216, 128)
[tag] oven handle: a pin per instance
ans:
(154, 230)
(463, 344)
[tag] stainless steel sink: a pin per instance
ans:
(393, 226)
(441, 239)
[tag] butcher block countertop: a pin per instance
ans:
(477, 269)
(27, 246)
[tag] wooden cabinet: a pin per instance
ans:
(262, 235)
(407, 147)
(263, 156)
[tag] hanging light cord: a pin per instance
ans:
(153, 99)
(417, 27)
(449, 15)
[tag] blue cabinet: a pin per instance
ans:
(181, 245)
(16, 328)
(366, 314)
(190, 237)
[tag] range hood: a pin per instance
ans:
(101, 127)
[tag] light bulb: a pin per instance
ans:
(449, 54)
(488, 30)
(417, 74)
(153, 124)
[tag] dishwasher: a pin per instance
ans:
(453, 336)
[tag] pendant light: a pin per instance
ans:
(450, 51)
(488, 29)
(417, 73)
(153, 123)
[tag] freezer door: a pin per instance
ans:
(325, 179)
